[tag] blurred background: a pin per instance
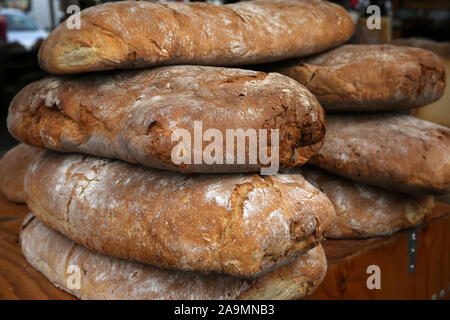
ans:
(24, 24)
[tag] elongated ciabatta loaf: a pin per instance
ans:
(363, 211)
(102, 277)
(142, 34)
(13, 166)
(243, 225)
(369, 77)
(134, 115)
(392, 151)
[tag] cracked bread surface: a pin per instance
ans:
(369, 77)
(13, 166)
(392, 151)
(103, 277)
(133, 34)
(239, 224)
(133, 115)
(363, 211)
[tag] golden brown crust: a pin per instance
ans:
(239, 224)
(142, 34)
(363, 211)
(105, 277)
(369, 77)
(131, 115)
(393, 151)
(13, 166)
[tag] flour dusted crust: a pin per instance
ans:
(370, 77)
(363, 211)
(393, 151)
(13, 166)
(243, 225)
(142, 34)
(105, 277)
(132, 115)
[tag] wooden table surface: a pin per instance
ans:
(346, 276)
(348, 260)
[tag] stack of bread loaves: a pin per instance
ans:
(100, 165)
(109, 199)
(370, 143)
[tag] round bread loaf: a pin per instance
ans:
(363, 211)
(13, 166)
(136, 116)
(369, 77)
(240, 224)
(389, 150)
(102, 277)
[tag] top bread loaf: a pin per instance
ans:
(142, 34)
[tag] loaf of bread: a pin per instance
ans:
(240, 224)
(390, 150)
(13, 166)
(134, 115)
(102, 277)
(437, 112)
(369, 77)
(133, 34)
(363, 211)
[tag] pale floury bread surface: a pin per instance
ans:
(133, 115)
(240, 224)
(105, 277)
(369, 77)
(141, 34)
(363, 211)
(390, 150)
(13, 166)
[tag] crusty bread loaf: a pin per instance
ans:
(243, 225)
(141, 34)
(369, 77)
(390, 150)
(13, 166)
(363, 211)
(132, 115)
(103, 277)
(437, 112)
